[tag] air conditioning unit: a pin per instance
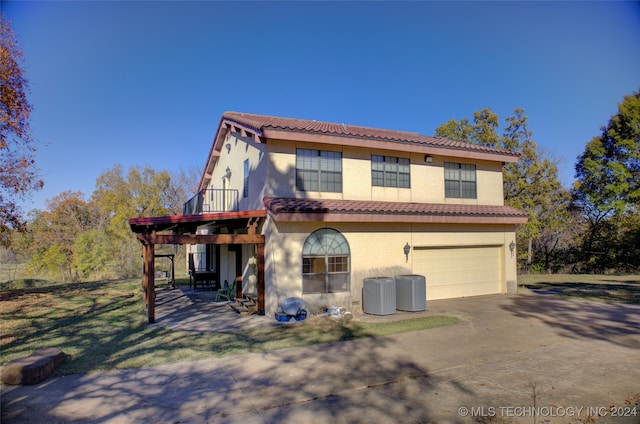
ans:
(411, 293)
(379, 296)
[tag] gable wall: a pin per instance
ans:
(240, 149)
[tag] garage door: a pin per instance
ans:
(459, 271)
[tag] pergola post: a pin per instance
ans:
(148, 281)
(260, 265)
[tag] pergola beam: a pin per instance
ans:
(154, 238)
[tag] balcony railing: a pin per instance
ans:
(211, 200)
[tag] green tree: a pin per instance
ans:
(531, 184)
(54, 232)
(18, 173)
(138, 193)
(461, 130)
(93, 255)
(141, 192)
(608, 171)
(607, 182)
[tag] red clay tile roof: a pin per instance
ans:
(374, 211)
(259, 123)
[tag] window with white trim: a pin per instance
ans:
(460, 180)
(325, 262)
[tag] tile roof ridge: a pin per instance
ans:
(345, 126)
(259, 122)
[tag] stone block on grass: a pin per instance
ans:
(32, 369)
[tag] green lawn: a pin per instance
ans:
(102, 326)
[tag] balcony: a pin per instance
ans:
(211, 200)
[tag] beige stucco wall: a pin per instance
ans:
(427, 179)
(272, 173)
(241, 149)
(376, 250)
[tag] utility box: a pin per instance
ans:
(379, 296)
(411, 293)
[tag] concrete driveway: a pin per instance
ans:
(525, 358)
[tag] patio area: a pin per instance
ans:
(186, 309)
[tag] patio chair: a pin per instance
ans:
(227, 291)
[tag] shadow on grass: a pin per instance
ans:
(14, 289)
(283, 386)
(337, 379)
(607, 291)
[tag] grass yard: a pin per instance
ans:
(601, 288)
(103, 326)
(10, 271)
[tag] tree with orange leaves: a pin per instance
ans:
(18, 173)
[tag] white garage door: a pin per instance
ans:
(459, 271)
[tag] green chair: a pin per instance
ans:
(227, 291)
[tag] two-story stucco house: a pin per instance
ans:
(337, 203)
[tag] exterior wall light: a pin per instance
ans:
(512, 247)
(227, 173)
(428, 159)
(407, 249)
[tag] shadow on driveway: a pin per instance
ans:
(354, 382)
(618, 323)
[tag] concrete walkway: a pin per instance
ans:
(511, 358)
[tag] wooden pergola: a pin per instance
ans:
(239, 228)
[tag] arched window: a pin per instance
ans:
(325, 262)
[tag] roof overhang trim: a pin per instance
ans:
(395, 145)
(280, 209)
(394, 218)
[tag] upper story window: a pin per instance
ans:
(318, 170)
(460, 180)
(390, 171)
(245, 179)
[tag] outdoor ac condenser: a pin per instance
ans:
(411, 293)
(379, 296)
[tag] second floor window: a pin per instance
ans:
(460, 180)
(390, 171)
(318, 170)
(245, 179)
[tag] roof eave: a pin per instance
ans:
(407, 146)
(396, 218)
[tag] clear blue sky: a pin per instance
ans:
(145, 83)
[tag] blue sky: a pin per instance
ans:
(145, 83)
